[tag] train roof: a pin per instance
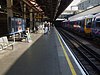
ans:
(82, 17)
(93, 10)
(58, 19)
(89, 16)
(78, 18)
(65, 20)
(96, 15)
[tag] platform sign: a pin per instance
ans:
(17, 25)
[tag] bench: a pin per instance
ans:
(4, 43)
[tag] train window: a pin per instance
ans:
(98, 19)
(88, 25)
(82, 23)
(92, 25)
(89, 22)
(79, 23)
(98, 24)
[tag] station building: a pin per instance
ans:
(86, 4)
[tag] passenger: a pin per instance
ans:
(36, 28)
(28, 38)
(45, 28)
(49, 26)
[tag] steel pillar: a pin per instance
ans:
(31, 19)
(24, 14)
(9, 13)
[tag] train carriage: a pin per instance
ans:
(82, 24)
(74, 24)
(96, 26)
(86, 26)
(66, 24)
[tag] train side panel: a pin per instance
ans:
(96, 26)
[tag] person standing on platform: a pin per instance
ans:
(36, 28)
(45, 27)
(28, 39)
(49, 26)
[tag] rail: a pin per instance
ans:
(87, 56)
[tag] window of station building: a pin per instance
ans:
(89, 1)
(98, 24)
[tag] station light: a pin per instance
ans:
(32, 2)
(0, 6)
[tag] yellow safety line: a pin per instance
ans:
(67, 58)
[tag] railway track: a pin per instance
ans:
(88, 58)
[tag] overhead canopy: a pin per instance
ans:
(51, 8)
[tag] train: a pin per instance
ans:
(96, 26)
(87, 26)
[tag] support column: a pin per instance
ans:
(9, 13)
(31, 19)
(24, 14)
(35, 19)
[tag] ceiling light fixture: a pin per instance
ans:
(33, 2)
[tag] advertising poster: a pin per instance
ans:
(17, 25)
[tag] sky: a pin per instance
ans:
(74, 2)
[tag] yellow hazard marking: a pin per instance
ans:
(67, 58)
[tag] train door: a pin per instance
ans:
(88, 24)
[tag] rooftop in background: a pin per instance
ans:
(73, 4)
(72, 8)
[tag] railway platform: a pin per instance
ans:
(45, 55)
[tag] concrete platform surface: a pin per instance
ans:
(8, 56)
(43, 56)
